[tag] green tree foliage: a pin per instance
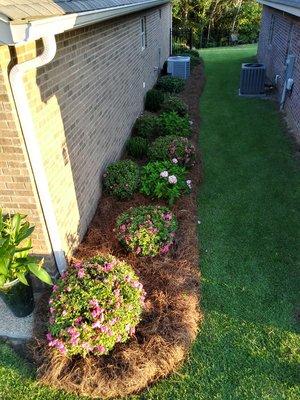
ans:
(205, 23)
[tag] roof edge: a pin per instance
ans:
(282, 6)
(15, 32)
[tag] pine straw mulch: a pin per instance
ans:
(172, 316)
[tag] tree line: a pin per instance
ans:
(210, 23)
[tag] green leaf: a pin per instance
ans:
(1, 221)
(21, 277)
(15, 225)
(40, 273)
(2, 280)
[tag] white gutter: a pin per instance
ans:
(293, 10)
(17, 32)
(17, 85)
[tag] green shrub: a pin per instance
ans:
(164, 179)
(147, 126)
(147, 230)
(137, 147)
(172, 124)
(185, 51)
(94, 305)
(154, 100)
(179, 150)
(15, 247)
(170, 84)
(174, 103)
(122, 178)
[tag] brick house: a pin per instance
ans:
(279, 50)
(73, 76)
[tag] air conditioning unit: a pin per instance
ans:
(179, 66)
(252, 79)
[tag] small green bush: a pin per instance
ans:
(185, 51)
(147, 127)
(122, 178)
(137, 147)
(174, 103)
(179, 150)
(170, 84)
(147, 230)
(164, 179)
(94, 305)
(170, 123)
(154, 100)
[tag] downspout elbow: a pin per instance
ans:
(32, 146)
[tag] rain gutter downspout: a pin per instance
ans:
(32, 146)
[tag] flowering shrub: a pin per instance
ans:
(177, 149)
(95, 304)
(147, 230)
(147, 126)
(170, 84)
(154, 100)
(121, 178)
(170, 123)
(174, 103)
(164, 179)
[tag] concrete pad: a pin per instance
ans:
(12, 327)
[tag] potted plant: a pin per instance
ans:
(16, 264)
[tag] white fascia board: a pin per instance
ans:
(282, 7)
(16, 32)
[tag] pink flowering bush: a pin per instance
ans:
(147, 230)
(177, 149)
(164, 179)
(96, 304)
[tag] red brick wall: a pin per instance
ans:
(273, 50)
(84, 104)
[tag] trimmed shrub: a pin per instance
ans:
(170, 123)
(154, 100)
(147, 126)
(164, 179)
(94, 305)
(179, 150)
(170, 84)
(137, 147)
(185, 51)
(147, 230)
(174, 103)
(122, 178)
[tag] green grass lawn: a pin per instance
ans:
(249, 207)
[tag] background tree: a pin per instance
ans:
(204, 23)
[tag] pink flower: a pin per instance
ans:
(165, 249)
(138, 250)
(49, 337)
(51, 320)
(117, 292)
(64, 313)
(100, 349)
(78, 320)
(107, 267)
(172, 179)
(189, 183)
(97, 324)
(87, 346)
(119, 338)
(52, 310)
(81, 273)
(74, 340)
(54, 288)
(174, 161)
(164, 174)
(132, 331)
(167, 216)
(123, 228)
(78, 265)
(68, 289)
(94, 303)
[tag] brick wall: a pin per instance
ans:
(84, 105)
(17, 189)
(280, 36)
